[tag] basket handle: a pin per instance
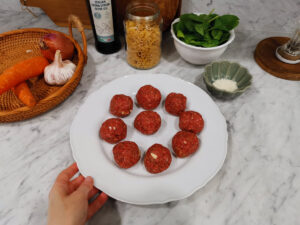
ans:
(76, 21)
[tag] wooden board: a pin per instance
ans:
(265, 57)
(59, 10)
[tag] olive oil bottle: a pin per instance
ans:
(104, 25)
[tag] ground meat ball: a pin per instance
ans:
(147, 122)
(175, 103)
(121, 105)
(113, 130)
(126, 154)
(191, 121)
(157, 159)
(185, 143)
(148, 97)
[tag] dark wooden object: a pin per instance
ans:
(265, 57)
(59, 10)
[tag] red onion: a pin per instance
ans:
(55, 41)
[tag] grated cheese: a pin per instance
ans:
(225, 85)
(153, 155)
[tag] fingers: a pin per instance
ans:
(85, 187)
(74, 184)
(62, 181)
(96, 204)
(67, 173)
(93, 192)
(77, 182)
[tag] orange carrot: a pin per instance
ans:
(23, 92)
(22, 71)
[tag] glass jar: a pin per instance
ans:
(143, 34)
(290, 51)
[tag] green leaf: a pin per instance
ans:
(199, 36)
(175, 27)
(180, 34)
(185, 17)
(203, 18)
(180, 26)
(211, 43)
(225, 37)
(196, 18)
(196, 43)
(189, 37)
(199, 28)
(206, 30)
(204, 43)
(189, 24)
(207, 37)
(226, 22)
(216, 34)
(210, 16)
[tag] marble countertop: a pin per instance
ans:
(260, 180)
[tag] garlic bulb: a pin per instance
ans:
(59, 72)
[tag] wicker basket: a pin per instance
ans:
(22, 44)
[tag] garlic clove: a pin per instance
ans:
(59, 72)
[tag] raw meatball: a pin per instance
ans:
(126, 154)
(191, 121)
(148, 97)
(185, 143)
(121, 105)
(147, 122)
(175, 103)
(113, 130)
(157, 159)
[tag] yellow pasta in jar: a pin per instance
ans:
(143, 39)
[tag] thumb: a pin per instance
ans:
(86, 186)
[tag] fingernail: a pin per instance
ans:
(89, 179)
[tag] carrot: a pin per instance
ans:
(22, 71)
(23, 92)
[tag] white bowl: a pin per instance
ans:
(199, 55)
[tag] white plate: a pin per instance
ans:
(135, 185)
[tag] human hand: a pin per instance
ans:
(69, 199)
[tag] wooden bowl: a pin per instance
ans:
(22, 44)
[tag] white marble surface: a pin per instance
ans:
(260, 180)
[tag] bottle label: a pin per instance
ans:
(103, 20)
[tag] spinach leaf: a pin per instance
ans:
(211, 43)
(179, 29)
(189, 24)
(225, 37)
(175, 27)
(207, 37)
(185, 17)
(203, 18)
(226, 22)
(180, 26)
(206, 30)
(216, 34)
(199, 28)
(211, 16)
(196, 43)
(189, 37)
(196, 18)
(180, 34)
